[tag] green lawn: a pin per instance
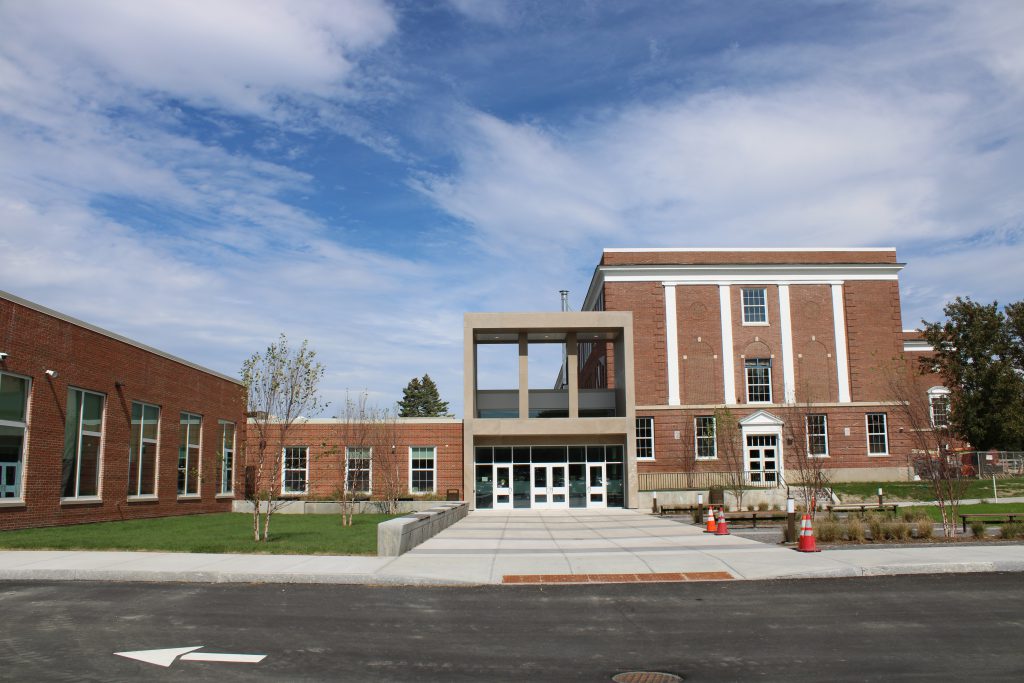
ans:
(917, 490)
(216, 533)
(933, 511)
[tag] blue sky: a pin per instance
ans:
(204, 175)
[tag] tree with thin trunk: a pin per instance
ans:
(368, 435)
(282, 385)
(729, 444)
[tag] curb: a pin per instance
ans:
(223, 577)
(908, 569)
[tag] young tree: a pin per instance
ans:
(370, 434)
(805, 449)
(979, 356)
(282, 385)
(420, 398)
(729, 439)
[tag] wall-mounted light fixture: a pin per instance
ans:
(119, 383)
(52, 374)
(3, 356)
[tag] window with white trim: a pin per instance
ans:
(358, 473)
(759, 380)
(189, 435)
(938, 406)
(878, 437)
(645, 438)
(14, 391)
(227, 457)
(295, 469)
(421, 468)
(83, 442)
(704, 437)
(817, 435)
(755, 305)
(142, 451)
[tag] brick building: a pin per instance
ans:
(97, 427)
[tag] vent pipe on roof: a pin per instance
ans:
(565, 299)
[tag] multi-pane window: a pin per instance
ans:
(704, 434)
(755, 305)
(227, 457)
(357, 469)
(645, 438)
(295, 472)
(421, 472)
(759, 380)
(13, 425)
(878, 439)
(938, 403)
(188, 454)
(83, 435)
(143, 449)
(817, 435)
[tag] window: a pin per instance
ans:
(13, 425)
(357, 469)
(938, 404)
(645, 438)
(227, 457)
(421, 464)
(759, 380)
(755, 306)
(817, 435)
(295, 469)
(83, 435)
(878, 440)
(143, 449)
(188, 454)
(704, 431)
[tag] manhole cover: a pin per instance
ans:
(646, 677)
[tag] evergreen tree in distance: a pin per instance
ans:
(420, 398)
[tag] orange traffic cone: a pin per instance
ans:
(711, 527)
(806, 544)
(723, 527)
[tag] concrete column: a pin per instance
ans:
(728, 355)
(572, 373)
(524, 377)
(842, 365)
(671, 345)
(788, 364)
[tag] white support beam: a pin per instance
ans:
(672, 345)
(728, 370)
(788, 368)
(842, 363)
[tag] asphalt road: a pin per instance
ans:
(936, 627)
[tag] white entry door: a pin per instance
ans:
(596, 486)
(502, 487)
(550, 488)
(762, 458)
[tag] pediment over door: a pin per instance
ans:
(761, 418)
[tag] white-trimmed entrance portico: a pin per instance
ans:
(762, 447)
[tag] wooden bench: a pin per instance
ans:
(862, 508)
(676, 510)
(755, 515)
(990, 516)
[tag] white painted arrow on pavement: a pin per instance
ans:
(166, 656)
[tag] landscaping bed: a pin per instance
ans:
(214, 533)
(913, 524)
(867, 491)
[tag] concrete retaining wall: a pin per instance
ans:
(307, 507)
(397, 536)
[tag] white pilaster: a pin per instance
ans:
(672, 345)
(728, 370)
(786, 322)
(842, 364)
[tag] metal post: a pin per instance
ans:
(995, 493)
(790, 520)
(880, 503)
(700, 508)
(654, 504)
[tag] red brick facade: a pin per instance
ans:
(36, 340)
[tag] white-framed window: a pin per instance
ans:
(817, 435)
(295, 469)
(189, 441)
(878, 437)
(358, 472)
(705, 443)
(759, 380)
(755, 305)
(14, 392)
(143, 449)
(938, 406)
(645, 438)
(227, 457)
(83, 444)
(422, 462)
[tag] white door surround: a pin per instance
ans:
(762, 424)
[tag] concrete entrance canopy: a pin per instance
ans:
(591, 404)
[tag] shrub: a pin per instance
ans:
(854, 528)
(897, 530)
(827, 529)
(762, 506)
(1012, 530)
(924, 528)
(877, 527)
(978, 529)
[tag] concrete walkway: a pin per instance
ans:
(519, 547)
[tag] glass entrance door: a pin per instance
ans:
(550, 487)
(762, 458)
(502, 487)
(597, 494)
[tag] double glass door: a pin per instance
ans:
(762, 458)
(546, 487)
(550, 486)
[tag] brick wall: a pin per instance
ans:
(875, 337)
(647, 301)
(123, 373)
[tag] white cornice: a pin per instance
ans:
(692, 250)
